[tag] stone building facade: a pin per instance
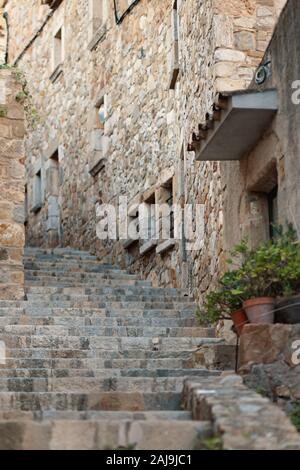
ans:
(122, 99)
(12, 164)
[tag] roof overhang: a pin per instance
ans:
(240, 123)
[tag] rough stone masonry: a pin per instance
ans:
(155, 83)
(12, 233)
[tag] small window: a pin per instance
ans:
(58, 49)
(26, 204)
(37, 192)
(98, 136)
(99, 127)
(175, 46)
(53, 175)
(98, 14)
(273, 210)
(147, 224)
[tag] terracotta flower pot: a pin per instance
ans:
(239, 319)
(260, 310)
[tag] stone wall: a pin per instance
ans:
(270, 361)
(148, 126)
(11, 189)
(275, 159)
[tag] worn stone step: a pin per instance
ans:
(118, 331)
(76, 276)
(133, 303)
(96, 320)
(108, 311)
(122, 290)
(105, 343)
(103, 435)
(133, 353)
(32, 285)
(112, 401)
(148, 364)
(92, 384)
(88, 266)
(96, 415)
(102, 373)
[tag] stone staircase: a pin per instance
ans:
(96, 359)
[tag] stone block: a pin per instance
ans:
(263, 344)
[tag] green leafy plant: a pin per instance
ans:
(24, 97)
(270, 270)
(295, 417)
(211, 443)
(3, 111)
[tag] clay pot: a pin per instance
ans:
(239, 319)
(260, 310)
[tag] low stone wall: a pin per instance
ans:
(241, 418)
(12, 238)
(270, 361)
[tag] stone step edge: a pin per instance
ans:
(103, 435)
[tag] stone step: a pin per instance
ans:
(105, 401)
(110, 310)
(105, 343)
(107, 373)
(92, 384)
(96, 415)
(89, 292)
(54, 283)
(70, 266)
(137, 354)
(46, 276)
(45, 305)
(95, 320)
(103, 435)
(148, 364)
(32, 310)
(118, 331)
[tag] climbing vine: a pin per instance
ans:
(23, 97)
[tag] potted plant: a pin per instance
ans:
(233, 296)
(271, 270)
(288, 304)
(224, 304)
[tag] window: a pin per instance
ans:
(26, 204)
(175, 46)
(165, 218)
(272, 197)
(37, 192)
(132, 226)
(53, 175)
(52, 194)
(98, 141)
(58, 49)
(262, 211)
(98, 14)
(147, 224)
(57, 55)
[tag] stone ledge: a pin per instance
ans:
(165, 246)
(148, 246)
(242, 419)
(98, 37)
(56, 73)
